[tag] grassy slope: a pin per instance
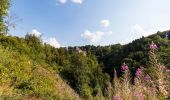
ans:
(23, 78)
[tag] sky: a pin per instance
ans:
(90, 22)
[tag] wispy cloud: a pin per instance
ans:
(109, 33)
(62, 1)
(138, 31)
(73, 1)
(105, 23)
(77, 1)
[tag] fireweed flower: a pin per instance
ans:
(139, 72)
(147, 78)
(168, 70)
(116, 98)
(153, 46)
(162, 67)
(139, 95)
(124, 67)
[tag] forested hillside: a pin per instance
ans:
(134, 53)
(33, 70)
(26, 75)
(88, 69)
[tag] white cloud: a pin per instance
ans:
(109, 33)
(35, 33)
(62, 1)
(137, 31)
(105, 23)
(92, 37)
(77, 1)
(96, 36)
(160, 28)
(73, 1)
(53, 42)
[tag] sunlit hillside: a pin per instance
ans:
(84, 50)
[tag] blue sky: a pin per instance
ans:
(97, 22)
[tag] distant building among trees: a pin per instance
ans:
(80, 51)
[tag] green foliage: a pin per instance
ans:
(4, 5)
(134, 53)
(36, 51)
(85, 75)
(28, 67)
(24, 69)
(25, 73)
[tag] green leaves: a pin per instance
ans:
(4, 5)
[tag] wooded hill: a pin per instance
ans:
(30, 68)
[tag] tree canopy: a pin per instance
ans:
(4, 6)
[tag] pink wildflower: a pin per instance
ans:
(139, 72)
(124, 67)
(168, 70)
(153, 46)
(162, 67)
(116, 98)
(139, 96)
(147, 78)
